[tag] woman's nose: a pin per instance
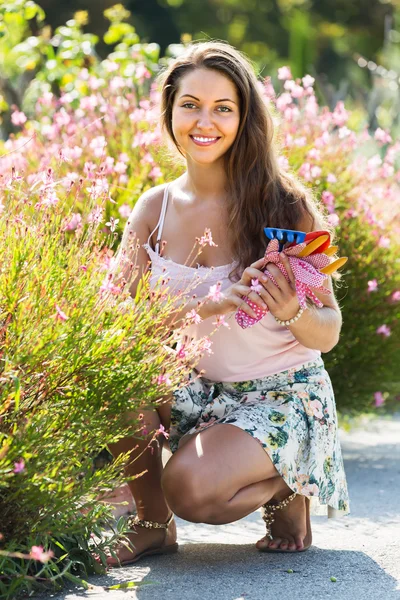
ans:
(205, 121)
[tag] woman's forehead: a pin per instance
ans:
(206, 83)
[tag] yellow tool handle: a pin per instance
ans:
(331, 250)
(313, 245)
(334, 266)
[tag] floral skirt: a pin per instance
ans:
(291, 414)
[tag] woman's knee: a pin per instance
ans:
(186, 492)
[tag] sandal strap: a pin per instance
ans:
(134, 521)
(268, 511)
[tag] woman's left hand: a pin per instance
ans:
(282, 298)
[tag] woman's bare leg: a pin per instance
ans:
(146, 489)
(223, 474)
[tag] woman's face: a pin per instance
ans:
(205, 115)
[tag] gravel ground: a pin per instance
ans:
(362, 550)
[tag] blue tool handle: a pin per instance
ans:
(284, 235)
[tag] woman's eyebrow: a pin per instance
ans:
(198, 99)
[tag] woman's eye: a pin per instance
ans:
(188, 105)
(225, 109)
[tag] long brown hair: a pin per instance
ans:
(259, 192)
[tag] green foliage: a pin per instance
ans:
(76, 354)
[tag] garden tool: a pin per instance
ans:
(284, 235)
(331, 250)
(308, 255)
(334, 266)
(315, 244)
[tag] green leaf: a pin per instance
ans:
(129, 584)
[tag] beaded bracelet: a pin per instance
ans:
(290, 321)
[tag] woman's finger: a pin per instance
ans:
(281, 281)
(253, 273)
(243, 290)
(260, 263)
(286, 263)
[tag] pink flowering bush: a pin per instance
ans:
(76, 353)
(356, 175)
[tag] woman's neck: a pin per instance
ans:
(205, 182)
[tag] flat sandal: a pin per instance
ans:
(134, 521)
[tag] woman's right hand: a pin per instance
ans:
(232, 297)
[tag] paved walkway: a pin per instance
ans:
(361, 550)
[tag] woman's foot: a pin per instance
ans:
(145, 541)
(289, 529)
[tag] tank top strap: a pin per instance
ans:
(160, 223)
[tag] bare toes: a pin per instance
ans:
(263, 543)
(299, 543)
(284, 544)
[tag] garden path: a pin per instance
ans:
(220, 563)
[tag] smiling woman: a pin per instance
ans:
(201, 119)
(255, 425)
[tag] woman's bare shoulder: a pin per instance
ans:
(148, 206)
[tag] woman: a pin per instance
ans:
(259, 429)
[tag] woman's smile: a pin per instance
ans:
(201, 140)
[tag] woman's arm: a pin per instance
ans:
(317, 328)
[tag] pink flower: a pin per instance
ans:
(37, 553)
(312, 489)
(340, 115)
(329, 200)
(331, 178)
(395, 296)
(215, 292)
(155, 173)
(124, 210)
(18, 118)
(194, 317)
(98, 145)
(384, 242)
(98, 188)
(112, 223)
(120, 167)
(220, 321)
(372, 285)
(163, 379)
(161, 431)
(284, 73)
(256, 286)
(74, 223)
(316, 408)
(181, 353)
(308, 81)
(205, 345)
(297, 91)
(283, 101)
(60, 314)
(379, 399)
(95, 216)
(19, 466)
(142, 72)
(383, 330)
(206, 239)
(382, 136)
(333, 220)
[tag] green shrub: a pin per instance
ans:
(76, 353)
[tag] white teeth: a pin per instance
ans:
(204, 139)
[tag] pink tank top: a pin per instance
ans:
(238, 354)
